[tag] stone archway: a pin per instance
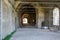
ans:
(29, 12)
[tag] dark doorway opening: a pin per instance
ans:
(27, 15)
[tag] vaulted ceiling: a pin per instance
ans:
(39, 0)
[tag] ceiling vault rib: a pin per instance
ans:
(43, 2)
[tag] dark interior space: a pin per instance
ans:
(27, 12)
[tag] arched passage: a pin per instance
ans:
(27, 14)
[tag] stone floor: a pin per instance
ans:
(35, 34)
(0, 36)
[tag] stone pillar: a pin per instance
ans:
(39, 22)
(40, 17)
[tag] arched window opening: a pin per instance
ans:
(56, 16)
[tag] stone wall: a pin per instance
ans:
(0, 12)
(46, 18)
(54, 27)
(51, 18)
(8, 23)
(0, 19)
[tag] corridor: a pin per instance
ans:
(35, 34)
(29, 18)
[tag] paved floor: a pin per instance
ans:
(35, 34)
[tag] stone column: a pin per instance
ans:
(40, 17)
